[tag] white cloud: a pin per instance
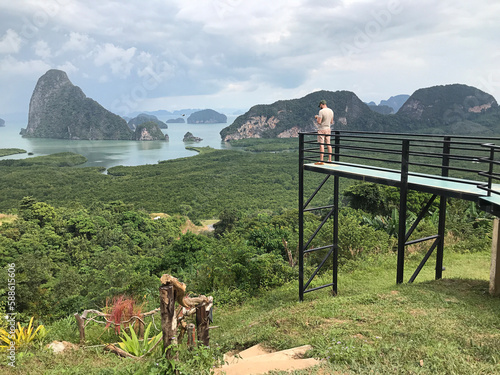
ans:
(118, 59)
(253, 51)
(77, 42)
(11, 42)
(68, 67)
(10, 66)
(42, 50)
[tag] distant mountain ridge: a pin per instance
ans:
(178, 120)
(395, 102)
(389, 106)
(58, 109)
(164, 112)
(450, 109)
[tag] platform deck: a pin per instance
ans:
(439, 185)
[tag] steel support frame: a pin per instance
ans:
(403, 235)
(303, 245)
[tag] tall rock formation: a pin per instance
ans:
(286, 118)
(142, 118)
(207, 116)
(444, 105)
(58, 109)
(450, 109)
(149, 131)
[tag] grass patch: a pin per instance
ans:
(62, 159)
(449, 326)
(373, 326)
(11, 151)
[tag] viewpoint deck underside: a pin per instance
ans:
(442, 186)
(443, 166)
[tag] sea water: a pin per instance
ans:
(111, 153)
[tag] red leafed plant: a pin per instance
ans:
(121, 309)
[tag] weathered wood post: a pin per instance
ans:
(141, 329)
(191, 335)
(495, 259)
(168, 321)
(81, 327)
(202, 323)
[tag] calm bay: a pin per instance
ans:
(111, 153)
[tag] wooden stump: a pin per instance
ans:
(81, 327)
(168, 321)
(141, 329)
(202, 323)
(191, 330)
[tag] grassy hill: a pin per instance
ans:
(448, 326)
(91, 246)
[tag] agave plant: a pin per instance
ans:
(131, 344)
(23, 336)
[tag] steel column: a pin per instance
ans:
(403, 197)
(442, 211)
(336, 187)
(301, 217)
(441, 233)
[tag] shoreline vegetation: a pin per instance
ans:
(11, 151)
(225, 223)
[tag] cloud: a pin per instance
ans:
(68, 67)
(10, 43)
(252, 51)
(42, 50)
(118, 59)
(77, 42)
(10, 67)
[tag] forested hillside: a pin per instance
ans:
(80, 239)
(450, 109)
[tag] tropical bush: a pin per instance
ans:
(132, 345)
(21, 336)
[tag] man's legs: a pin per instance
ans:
(321, 141)
(324, 138)
(329, 149)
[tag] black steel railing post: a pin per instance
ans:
(337, 145)
(446, 156)
(490, 169)
(336, 188)
(403, 197)
(442, 211)
(301, 217)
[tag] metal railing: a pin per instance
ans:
(491, 175)
(459, 158)
(399, 156)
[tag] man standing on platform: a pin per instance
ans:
(324, 119)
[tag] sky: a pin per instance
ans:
(147, 55)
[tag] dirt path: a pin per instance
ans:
(257, 360)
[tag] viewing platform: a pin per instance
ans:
(461, 167)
